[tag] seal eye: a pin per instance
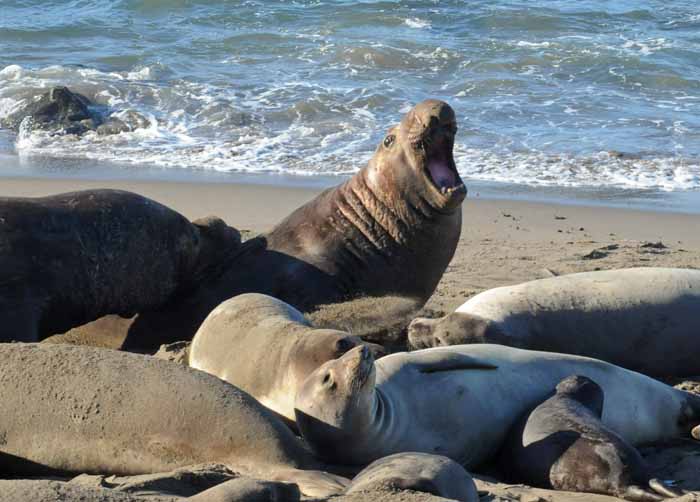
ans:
(389, 140)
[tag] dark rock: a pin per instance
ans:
(62, 111)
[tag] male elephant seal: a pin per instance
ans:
(418, 472)
(391, 229)
(71, 409)
(265, 347)
(563, 444)
(461, 401)
(68, 259)
(644, 319)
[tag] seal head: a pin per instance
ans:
(423, 144)
(337, 400)
(457, 328)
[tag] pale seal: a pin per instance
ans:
(71, 258)
(461, 401)
(391, 229)
(419, 472)
(644, 319)
(562, 444)
(71, 409)
(265, 347)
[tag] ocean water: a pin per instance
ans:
(574, 94)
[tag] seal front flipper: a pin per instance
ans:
(438, 360)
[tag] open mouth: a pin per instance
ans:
(440, 166)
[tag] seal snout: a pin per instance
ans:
(420, 333)
(358, 363)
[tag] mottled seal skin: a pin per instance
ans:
(71, 258)
(70, 409)
(562, 444)
(644, 319)
(461, 401)
(419, 472)
(265, 347)
(391, 229)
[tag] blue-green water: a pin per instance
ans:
(544, 90)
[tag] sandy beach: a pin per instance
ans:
(503, 242)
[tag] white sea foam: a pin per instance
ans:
(304, 128)
(415, 22)
(535, 45)
(601, 169)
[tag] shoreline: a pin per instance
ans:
(41, 169)
(483, 216)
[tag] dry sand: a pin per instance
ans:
(503, 242)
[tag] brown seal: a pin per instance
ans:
(71, 258)
(563, 444)
(391, 229)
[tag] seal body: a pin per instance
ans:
(391, 229)
(563, 444)
(70, 409)
(265, 347)
(461, 401)
(418, 472)
(643, 319)
(68, 259)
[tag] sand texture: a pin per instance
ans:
(502, 243)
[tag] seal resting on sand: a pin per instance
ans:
(69, 409)
(68, 259)
(644, 319)
(265, 347)
(461, 401)
(562, 444)
(391, 229)
(418, 472)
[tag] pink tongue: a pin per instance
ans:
(442, 175)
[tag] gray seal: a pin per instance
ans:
(391, 229)
(265, 347)
(419, 472)
(461, 401)
(644, 319)
(562, 444)
(69, 259)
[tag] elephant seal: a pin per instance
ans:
(400, 213)
(265, 347)
(644, 319)
(419, 472)
(72, 409)
(460, 401)
(562, 444)
(71, 258)
(249, 490)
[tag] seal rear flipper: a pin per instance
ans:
(636, 493)
(663, 489)
(439, 360)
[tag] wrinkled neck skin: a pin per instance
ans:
(373, 432)
(404, 235)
